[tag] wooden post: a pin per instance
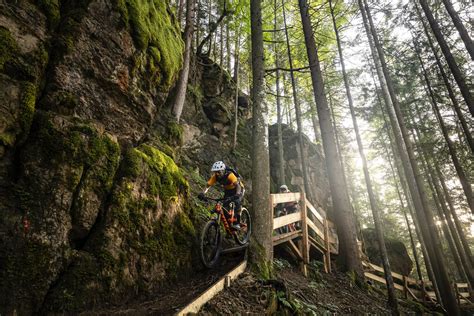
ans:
(456, 291)
(304, 237)
(405, 287)
(327, 256)
(423, 291)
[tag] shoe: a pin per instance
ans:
(236, 226)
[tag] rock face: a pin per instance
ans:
(294, 175)
(400, 261)
(97, 183)
(92, 208)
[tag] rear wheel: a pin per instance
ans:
(242, 236)
(211, 239)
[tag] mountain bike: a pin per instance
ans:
(219, 222)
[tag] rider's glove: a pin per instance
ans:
(201, 196)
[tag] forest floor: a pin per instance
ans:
(290, 293)
(293, 294)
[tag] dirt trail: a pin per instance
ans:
(169, 299)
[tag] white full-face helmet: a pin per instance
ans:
(218, 166)
(284, 188)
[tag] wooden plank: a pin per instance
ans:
(279, 239)
(314, 211)
(315, 228)
(304, 227)
(295, 249)
(462, 285)
(278, 198)
(285, 220)
(381, 280)
(316, 244)
(380, 269)
(234, 249)
(431, 294)
(196, 305)
(327, 255)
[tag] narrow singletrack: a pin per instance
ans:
(170, 299)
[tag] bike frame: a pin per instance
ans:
(221, 210)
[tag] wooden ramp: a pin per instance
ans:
(195, 306)
(315, 230)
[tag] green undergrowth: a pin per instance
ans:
(156, 33)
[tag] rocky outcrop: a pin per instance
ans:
(90, 212)
(97, 182)
(400, 261)
(317, 176)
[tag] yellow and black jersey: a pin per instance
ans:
(228, 181)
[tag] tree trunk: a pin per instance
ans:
(299, 123)
(458, 76)
(440, 206)
(261, 251)
(459, 254)
(460, 229)
(392, 298)
(343, 169)
(413, 177)
(461, 29)
(236, 109)
(404, 185)
(466, 185)
(227, 46)
(349, 256)
(221, 53)
(452, 96)
(281, 159)
(236, 59)
(198, 23)
(184, 74)
(180, 11)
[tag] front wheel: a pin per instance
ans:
(242, 236)
(211, 239)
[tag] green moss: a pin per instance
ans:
(195, 92)
(8, 47)
(51, 9)
(155, 32)
(165, 178)
(28, 102)
(7, 139)
(258, 265)
(24, 275)
(121, 7)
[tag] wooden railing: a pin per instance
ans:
(315, 230)
(421, 291)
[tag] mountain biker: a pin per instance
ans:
(233, 190)
(285, 209)
(289, 207)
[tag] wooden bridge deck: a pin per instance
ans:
(316, 231)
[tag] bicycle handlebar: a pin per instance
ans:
(205, 198)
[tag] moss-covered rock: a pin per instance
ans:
(67, 168)
(400, 261)
(157, 33)
(51, 9)
(145, 238)
(8, 46)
